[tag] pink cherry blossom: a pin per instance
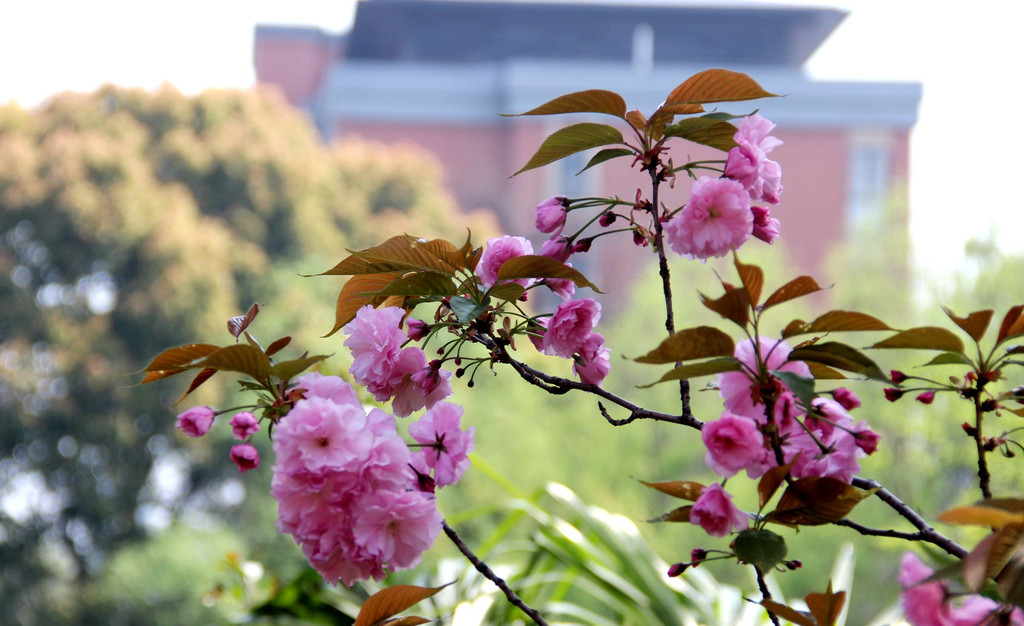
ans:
(570, 326)
(734, 443)
(741, 393)
(923, 603)
(499, 250)
(246, 456)
(333, 388)
(196, 421)
(319, 433)
(717, 219)
(244, 425)
(845, 397)
(397, 527)
(748, 163)
(447, 446)
(557, 248)
(716, 514)
(376, 339)
(593, 363)
(550, 215)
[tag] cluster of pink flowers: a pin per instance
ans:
(569, 333)
(720, 215)
(347, 485)
(197, 421)
(931, 604)
(388, 370)
(826, 442)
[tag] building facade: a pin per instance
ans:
(439, 73)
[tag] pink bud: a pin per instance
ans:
(607, 219)
(892, 395)
(897, 376)
(677, 569)
(196, 421)
(245, 456)
(418, 329)
(846, 398)
(926, 398)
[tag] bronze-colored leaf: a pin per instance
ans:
(200, 378)
(421, 283)
(358, 291)
(704, 368)
(771, 481)
(683, 489)
(1012, 317)
(752, 278)
(399, 253)
(406, 621)
(287, 370)
(824, 372)
(980, 515)
(176, 360)
(734, 305)
(840, 356)
(796, 327)
(826, 607)
(278, 345)
(636, 119)
(588, 101)
(817, 500)
(692, 343)
(975, 565)
(924, 338)
(715, 133)
(392, 600)
(537, 266)
(790, 614)
(570, 140)
(796, 288)
(975, 324)
(717, 85)
(836, 321)
(244, 359)
(239, 323)
(680, 515)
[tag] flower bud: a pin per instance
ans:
(989, 405)
(418, 329)
(677, 569)
(607, 219)
(793, 565)
(897, 376)
(550, 215)
(846, 398)
(970, 430)
(892, 395)
(697, 555)
(926, 398)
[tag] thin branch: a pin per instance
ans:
(927, 533)
(765, 594)
(489, 574)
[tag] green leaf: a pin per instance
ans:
(570, 140)
(423, 283)
(536, 266)
(392, 600)
(245, 359)
(606, 155)
(975, 324)
(287, 370)
(840, 356)
(760, 548)
(704, 131)
(509, 292)
(717, 85)
(835, 321)
(693, 343)
(466, 309)
(949, 358)
(802, 386)
(796, 288)
(924, 338)
(705, 368)
(588, 101)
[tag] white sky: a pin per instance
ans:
(967, 56)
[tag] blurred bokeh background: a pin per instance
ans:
(150, 189)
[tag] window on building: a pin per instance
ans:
(869, 176)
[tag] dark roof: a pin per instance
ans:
(465, 31)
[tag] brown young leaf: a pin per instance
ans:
(683, 489)
(838, 355)
(636, 119)
(980, 515)
(1012, 317)
(975, 324)
(771, 481)
(817, 500)
(826, 607)
(237, 324)
(790, 614)
(752, 278)
(359, 291)
(682, 514)
(796, 288)
(976, 564)
(716, 85)
(704, 368)
(392, 600)
(537, 266)
(278, 345)
(200, 378)
(405, 621)
(734, 305)
(245, 359)
(924, 338)
(692, 343)
(287, 370)
(824, 372)
(400, 253)
(588, 101)
(176, 360)
(836, 321)
(421, 283)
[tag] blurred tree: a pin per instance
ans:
(131, 221)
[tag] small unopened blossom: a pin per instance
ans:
(583, 245)
(716, 514)
(846, 398)
(641, 238)
(766, 227)
(497, 251)
(418, 329)
(244, 425)
(607, 219)
(892, 394)
(897, 376)
(245, 456)
(866, 439)
(550, 215)
(716, 220)
(926, 397)
(196, 421)
(677, 569)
